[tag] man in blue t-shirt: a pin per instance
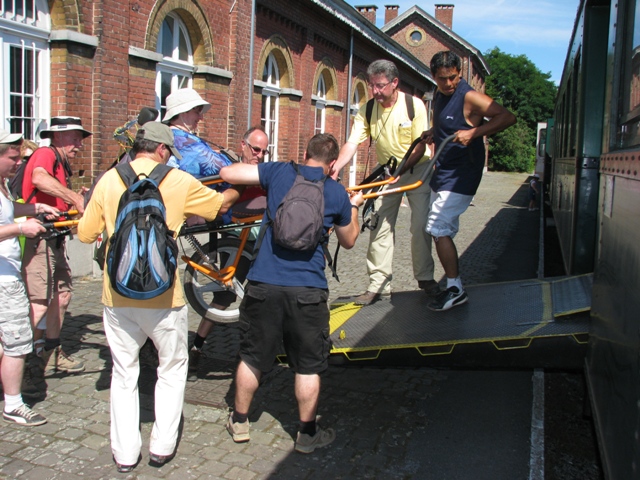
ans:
(286, 298)
(457, 109)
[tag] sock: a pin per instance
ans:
(11, 402)
(239, 417)
(51, 343)
(198, 342)
(454, 282)
(308, 427)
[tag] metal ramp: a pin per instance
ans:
(508, 315)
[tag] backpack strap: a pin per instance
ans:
(159, 173)
(127, 174)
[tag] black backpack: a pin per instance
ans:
(143, 253)
(299, 220)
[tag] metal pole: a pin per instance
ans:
(251, 45)
(349, 82)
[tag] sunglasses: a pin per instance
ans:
(257, 150)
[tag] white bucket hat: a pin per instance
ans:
(8, 137)
(182, 101)
(64, 124)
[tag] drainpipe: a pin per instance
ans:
(349, 82)
(251, 45)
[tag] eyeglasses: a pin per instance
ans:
(378, 86)
(257, 150)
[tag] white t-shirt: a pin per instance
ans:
(10, 254)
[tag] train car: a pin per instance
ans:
(594, 190)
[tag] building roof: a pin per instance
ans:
(348, 15)
(446, 31)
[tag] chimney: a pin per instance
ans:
(368, 12)
(390, 13)
(444, 14)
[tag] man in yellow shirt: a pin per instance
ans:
(128, 323)
(393, 131)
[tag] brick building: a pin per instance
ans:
(296, 67)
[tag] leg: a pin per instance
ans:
(168, 330)
(448, 255)
(125, 340)
(11, 370)
(307, 390)
(419, 200)
(247, 382)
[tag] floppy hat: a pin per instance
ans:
(7, 137)
(160, 133)
(64, 124)
(182, 101)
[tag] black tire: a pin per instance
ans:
(200, 289)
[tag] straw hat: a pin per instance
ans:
(64, 124)
(182, 101)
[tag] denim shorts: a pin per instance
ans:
(444, 215)
(297, 317)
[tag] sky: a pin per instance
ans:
(539, 29)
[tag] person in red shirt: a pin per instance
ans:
(45, 267)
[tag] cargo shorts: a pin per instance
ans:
(15, 326)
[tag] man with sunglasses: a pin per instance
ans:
(253, 150)
(393, 130)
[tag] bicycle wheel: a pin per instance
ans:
(206, 296)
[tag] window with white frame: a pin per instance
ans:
(176, 68)
(24, 55)
(353, 110)
(321, 104)
(270, 104)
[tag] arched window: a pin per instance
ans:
(358, 95)
(176, 68)
(24, 55)
(270, 104)
(321, 104)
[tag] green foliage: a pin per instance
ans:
(513, 150)
(516, 83)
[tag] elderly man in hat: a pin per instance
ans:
(128, 323)
(15, 328)
(45, 267)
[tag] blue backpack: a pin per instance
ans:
(143, 253)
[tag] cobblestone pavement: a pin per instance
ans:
(378, 413)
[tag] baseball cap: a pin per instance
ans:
(160, 133)
(8, 137)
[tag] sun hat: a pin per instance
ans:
(64, 124)
(160, 133)
(8, 137)
(182, 101)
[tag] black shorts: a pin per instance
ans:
(271, 315)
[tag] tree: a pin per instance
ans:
(516, 83)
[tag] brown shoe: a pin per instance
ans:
(57, 361)
(430, 287)
(367, 298)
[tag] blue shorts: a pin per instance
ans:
(271, 315)
(444, 215)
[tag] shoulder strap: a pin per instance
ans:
(127, 174)
(369, 112)
(410, 110)
(159, 172)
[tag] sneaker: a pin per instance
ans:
(58, 361)
(451, 297)
(23, 415)
(307, 444)
(239, 431)
(430, 287)
(194, 361)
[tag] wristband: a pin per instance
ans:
(355, 206)
(20, 229)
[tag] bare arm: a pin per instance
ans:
(478, 106)
(49, 185)
(240, 174)
(32, 209)
(347, 152)
(30, 229)
(348, 234)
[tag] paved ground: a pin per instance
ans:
(391, 422)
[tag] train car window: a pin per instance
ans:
(628, 129)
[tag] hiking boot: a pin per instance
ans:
(57, 361)
(367, 298)
(430, 287)
(23, 415)
(194, 361)
(451, 297)
(239, 431)
(28, 389)
(307, 444)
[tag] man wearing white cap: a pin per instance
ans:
(15, 328)
(45, 267)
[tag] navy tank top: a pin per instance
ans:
(459, 168)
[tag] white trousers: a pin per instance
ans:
(382, 239)
(127, 329)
